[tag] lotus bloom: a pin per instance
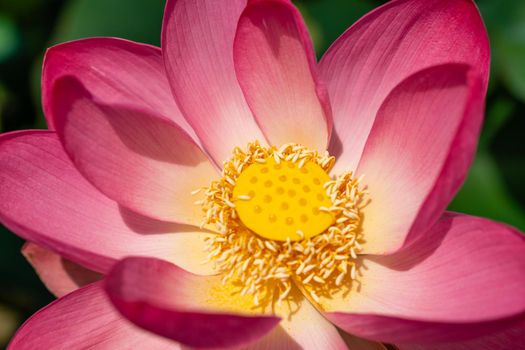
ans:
(229, 191)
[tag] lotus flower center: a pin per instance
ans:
(280, 201)
(281, 220)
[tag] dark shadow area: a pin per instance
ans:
(147, 226)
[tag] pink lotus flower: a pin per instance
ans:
(298, 252)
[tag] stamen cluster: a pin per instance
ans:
(266, 268)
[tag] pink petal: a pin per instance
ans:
(384, 48)
(60, 275)
(276, 67)
(45, 200)
(510, 338)
(305, 328)
(197, 46)
(418, 153)
(114, 71)
(194, 310)
(141, 161)
(464, 279)
(84, 319)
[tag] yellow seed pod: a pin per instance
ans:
(281, 201)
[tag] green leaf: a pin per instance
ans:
(9, 38)
(505, 20)
(136, 20)
(485, 194)
(499, 112)
(3, 102)
(328, 20)
(10, 320)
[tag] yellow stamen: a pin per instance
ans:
(283, 220)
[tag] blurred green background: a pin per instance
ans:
(495, 187)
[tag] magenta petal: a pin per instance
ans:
(45, 200)
(114, 71)
(507, 339)
(384, 48)
(418, 153)
(84, 319)
(138, 159)
(276, 67)
(464, 279)
(305, 328)
(60, 275)
(165, 299)
(197, 46)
